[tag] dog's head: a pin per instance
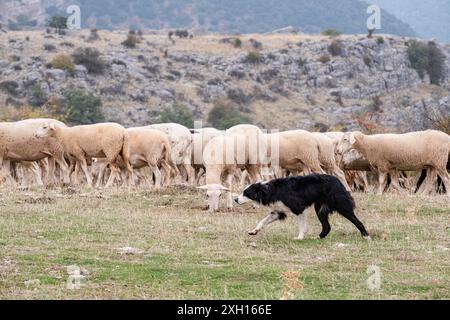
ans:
(258, 192)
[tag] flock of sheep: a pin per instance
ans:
(46, 151)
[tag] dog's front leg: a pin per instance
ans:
(302, 225)
(272, 217)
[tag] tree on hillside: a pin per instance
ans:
(59, 23)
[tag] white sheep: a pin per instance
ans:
(222, 157)
(148, 148)
(102, 140)
(19, 143)
(181, 140)
(253, 156)
(327, 151)
(295, 151)
(201, 138)
(152, 148)
(388, 153)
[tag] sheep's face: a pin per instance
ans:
(46, 130)
(346, 143)
(213, 192)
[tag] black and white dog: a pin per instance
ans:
(295, 194)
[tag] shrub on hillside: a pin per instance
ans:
(37, 96)
(82, 107)
(325, 58)
(367, 60)
(427, 58)
(64, 62)
(182, 33)
(9, 86)
(254, 57)
(132, 40)
(225, 115)
(177, 113)
(436, 64)
(336, 48)
(331, 33)
(49, 47)
(302, 62)
(418, 57)
(91, 59)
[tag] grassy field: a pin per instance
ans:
(182, 252)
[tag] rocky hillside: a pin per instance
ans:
(278, 81)
(227, 16)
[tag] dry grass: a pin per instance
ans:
(184, 252)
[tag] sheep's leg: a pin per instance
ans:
(84, 167)
(36, 170)
(101, 174)
(113, 175)
(445, 176)
(395, 176)
(302, 225)
(157, 175)
(51, 168)
(341, 176)
(183, 173)
(272, 217)
(429, 182)
(190, 174)
(243, 179)
(64, 169)
(254, 173)
(229, 185)
(75, 177)
(6, 168)
(381, 182)
(200, 173)
(365, 182)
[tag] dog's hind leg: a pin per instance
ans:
(323, 212)
(302, 225)
(348, 213)
(272, 217)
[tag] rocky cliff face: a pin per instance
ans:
(32, 9)
(289, 81)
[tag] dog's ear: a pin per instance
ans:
(263, 192)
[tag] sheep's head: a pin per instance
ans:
(46, 130)
(347, 142)
(213, 192)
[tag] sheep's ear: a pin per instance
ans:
(352, 139)
(224, 188)
(213, 187)
(52, 126)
